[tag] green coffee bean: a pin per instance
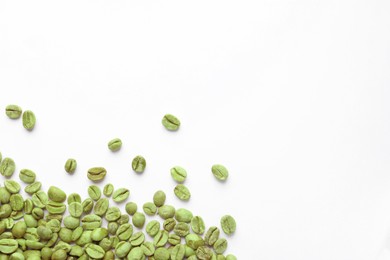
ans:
(169, 224)
(149, 208)
(112, 227)
(4, 195)
(124, 218)
(178, 252)
(76, 251)
(75, 209)
(40, 199)
(101, 207)
(182, 192)
(183, 215)
(96, 174)
(77, 232)
(120, 195)
(166, 211)
(181, 229)
(174, 239)
(148, 248)
(211, 236)
(19, 229)
(33, 187)
(220, 172)
(220, 246)
(17, 256)
(54, 225)
(12, 186)
(106, 244)
(136, 253)
(231, 257)
(228, 224)
(95, 251)
(71, 222)
(131, 207)
(122, 249)
(7, 167)
(124, 231)
(204, 253)
(55, 207)
(179, 174)
(94, 192)
(70, 165)
(115, 144)
(56, 194)
(44, 233)
(197, 225)
(46, 253)
(13, 111)
(159, 198)
(138, 164)
(161, 253)
(137, 238)
(194, 241)
(85, 238)
(27, 176)
(112, 214)
(8, 246)
(87, 205)
(108, 190)
(161, 238)
(28, 120)
(98, 234)
(74, 197)
(16, 202)
(138, 219)
(152, 228)
(170, 122)
(91, 221)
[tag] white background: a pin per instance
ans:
(292, 96)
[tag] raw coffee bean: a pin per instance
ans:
(27, 176)
(7, 167)
(231, 257)
(120, 195)
(197, 225)
(138, 219)
(55, 207)
(211, 236)
(112, 214)
(220, 246)
(152, 228)
(29, 120)
(174, 239)
(228, 224)
(166, 211)
(12, 186)
(115, 144)
(87, 205)
(183, 215)
(101, 207)
(124, 231)
(122, 249)
(137, 238)
(98, 234)
(91, 221)
(204, 253)
(148, 248)
(136, 253)
(96, 174)
(13, 111)
(71, 222)
(170, 122)
(178, 252)
(94, 192)
(138, 164)
(161, 253)
(181, 229)
(75, 209)
(169, 224)
(220, 172)
(70, 165)
(8, 246)
(149, 208)
(108, 190)
(56, 194)
(131, 208)
(124, 218)
(33, 187)
(179, 174)
(95, 251)
(182, 192)
(74, 197)
(161, 238)
(159, 198)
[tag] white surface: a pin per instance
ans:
(292, 96)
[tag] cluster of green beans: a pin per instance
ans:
(53, 225)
